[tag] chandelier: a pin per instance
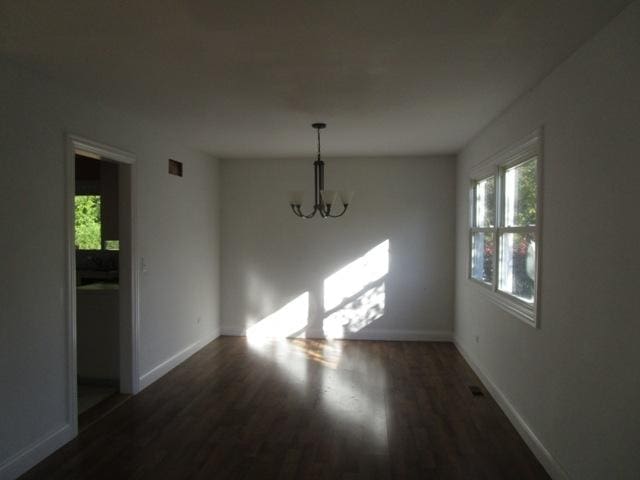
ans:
(324, 200)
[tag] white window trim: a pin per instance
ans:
(528, 147)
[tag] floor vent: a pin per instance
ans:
(475, 391)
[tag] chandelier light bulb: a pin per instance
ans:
(347, 196)
(295, 197)
(329, 197)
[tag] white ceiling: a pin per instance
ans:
(246, 78)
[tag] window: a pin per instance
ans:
(112, 245)
(88, 235)
(483, 230)
(504, 236)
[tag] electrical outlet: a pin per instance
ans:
(477, 338)
(198, 320)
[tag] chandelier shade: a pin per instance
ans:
(324, 201)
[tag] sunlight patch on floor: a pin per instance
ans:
(348, 389)
(357, 400)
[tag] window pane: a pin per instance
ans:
(518, 265)
(520, 195)
(485, 202)
(482, 252)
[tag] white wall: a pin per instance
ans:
(271, 257)
(575, 381)
(177, 234)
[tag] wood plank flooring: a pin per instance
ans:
(303, 409)
(98, 411)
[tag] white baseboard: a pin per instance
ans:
(211, 337)
(232, 331)
(31, 455)
(393, 335)
(550, 464)
(367, 334)
(170, 363)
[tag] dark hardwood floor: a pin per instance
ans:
(97, 412)
(303, 409)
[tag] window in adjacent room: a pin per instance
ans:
(88, 228)
(504, 238)
(112, 244)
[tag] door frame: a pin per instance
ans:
(129, 304)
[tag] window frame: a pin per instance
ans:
(496, 166)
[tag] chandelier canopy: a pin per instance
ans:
(324, 200)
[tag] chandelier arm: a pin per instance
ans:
(295, 210)
(298, 211)
(312, 214)
(341, 213)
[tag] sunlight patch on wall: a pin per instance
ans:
(289, 321)
(357, 314)
(353, 278)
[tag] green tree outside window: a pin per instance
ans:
(88, 234)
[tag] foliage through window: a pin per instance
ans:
(87, 222)
(504, 233)
(112, 245)
(517, 269)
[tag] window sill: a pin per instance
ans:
(513, 307)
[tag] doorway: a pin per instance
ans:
(102, 281)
